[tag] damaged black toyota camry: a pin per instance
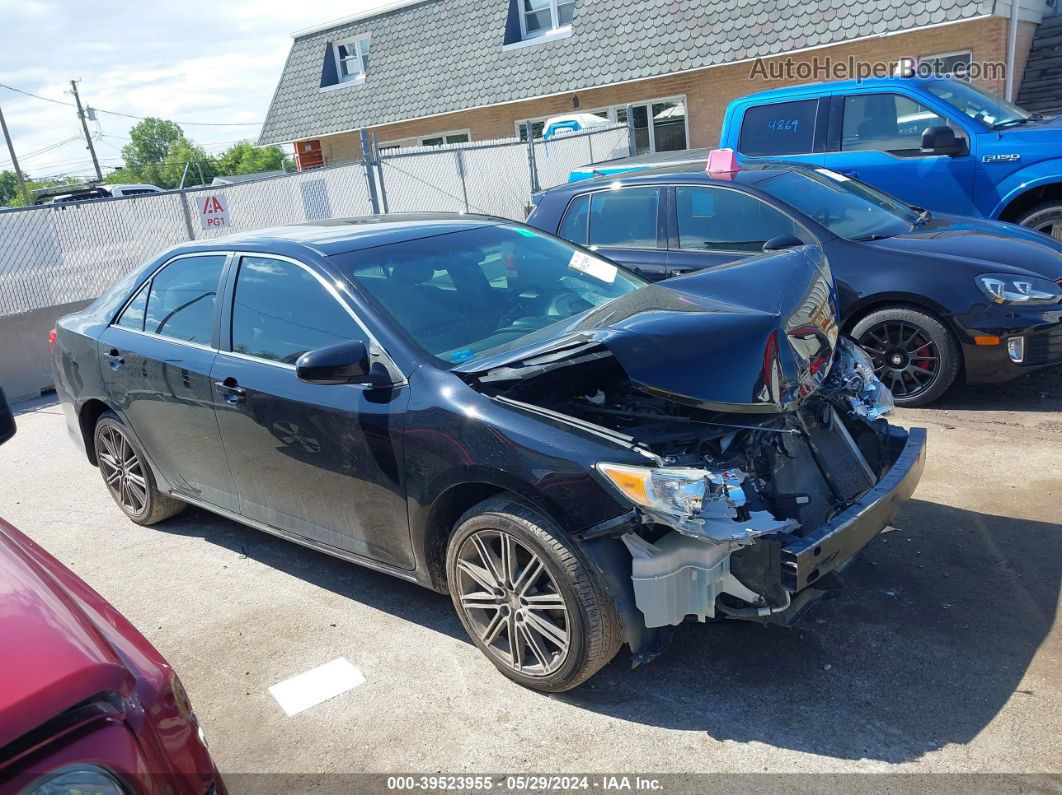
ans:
(579, 458)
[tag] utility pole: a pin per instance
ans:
(14, 162)
(84, 126)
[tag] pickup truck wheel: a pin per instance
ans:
(528, 598)
(1046, 218)
(127, 475)
(913, 353)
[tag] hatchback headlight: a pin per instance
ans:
(88, 779)
(674, 490)
(1004, 288)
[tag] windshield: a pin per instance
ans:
(462, 294)
(992, 111)
(847, 207)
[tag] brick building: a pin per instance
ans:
(427, 72)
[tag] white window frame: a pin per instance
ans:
(612, 109)
(554, 28)
(361, 44)
(420, 139)
(941, 55)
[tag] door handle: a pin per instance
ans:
(231, 391)
(114, 358)
(848, 172)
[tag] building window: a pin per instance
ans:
(951, 64)
(352, 59)
(435, 139)
(539, 17)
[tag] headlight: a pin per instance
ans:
(674, 490)
(1003, 288)
(88, 779)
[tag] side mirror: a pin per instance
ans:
(941, 141)
(342, 363)
(7, 419)
(779, 242)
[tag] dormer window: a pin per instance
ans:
(352, 59)
(542, 17)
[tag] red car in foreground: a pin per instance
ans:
(87, 705)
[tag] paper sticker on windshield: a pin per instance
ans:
(832, 175)
(593, 267)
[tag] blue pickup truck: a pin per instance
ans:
(937, 143)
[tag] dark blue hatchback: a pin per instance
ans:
(928, 296)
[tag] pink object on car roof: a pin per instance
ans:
(722, 163)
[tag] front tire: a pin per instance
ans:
(528, 598)
(127, 475)
(1046, 218)
(914, 354)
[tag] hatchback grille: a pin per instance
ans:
(1044, 348)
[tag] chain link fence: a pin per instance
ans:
(60, 253)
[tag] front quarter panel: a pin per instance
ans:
(1017, 183)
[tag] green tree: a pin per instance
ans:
(31, 185)
(8, 186)
(199, 163)
(149, 145)
(246, 158)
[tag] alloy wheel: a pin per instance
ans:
(905, 357)
(122, 469)
(513, 604)
(1051, 228)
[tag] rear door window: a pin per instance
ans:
(181, 299)
(132, 316)
(625, 218)
(281, 311)
(720, 219)
(576, 218)
(784, 128)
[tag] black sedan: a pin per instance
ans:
(929, 297)
(580, 458)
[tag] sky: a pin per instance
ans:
(188, 61)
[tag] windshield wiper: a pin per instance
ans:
(871, 237)
(924, 216)
(999, 125)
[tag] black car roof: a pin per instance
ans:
(342, 235)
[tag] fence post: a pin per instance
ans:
(366, 161)
(632, 146)
(461, 173)
(531, 158)
(187, 213)
(379, 172)
(590, 144)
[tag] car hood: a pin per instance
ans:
(987, 245)
(53, 657)
(757, 335)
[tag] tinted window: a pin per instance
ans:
(625, 218)
(717, 219)
(847, 207)
(573, 227)
(133, 315)
(885, 123)
(784, 128)
(487, 289)
(281, 311)
(181, 299)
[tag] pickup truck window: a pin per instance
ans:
(784, 128)
(991, 111)
(847, 207)
(885, 123)
(718, 219)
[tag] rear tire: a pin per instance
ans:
(1046, 218)
(127, 475)
(514, 574)
(914, 354)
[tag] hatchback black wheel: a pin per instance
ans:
(127, 475)
(528, 599)
(914, 355)
(1046, 218)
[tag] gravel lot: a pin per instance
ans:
(942, 654)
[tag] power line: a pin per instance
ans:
(139, 118)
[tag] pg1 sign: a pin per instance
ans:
(213, 212)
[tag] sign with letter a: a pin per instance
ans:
(213, 212)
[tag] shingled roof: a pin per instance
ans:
(440, 56)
